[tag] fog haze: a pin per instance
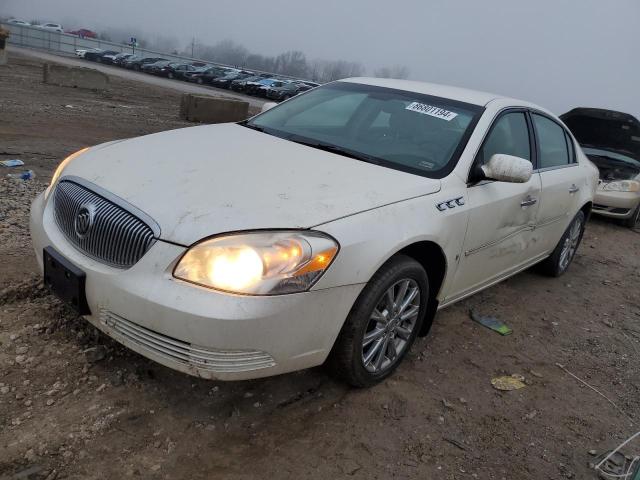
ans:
(558, 53)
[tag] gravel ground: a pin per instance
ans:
(76, 405)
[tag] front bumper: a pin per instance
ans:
(196, 330)
(613, 204)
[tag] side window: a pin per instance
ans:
(510, 136)
(552, 143)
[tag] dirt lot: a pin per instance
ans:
(74, 404)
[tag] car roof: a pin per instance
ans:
(445, 91)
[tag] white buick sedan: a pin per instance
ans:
(330, 228)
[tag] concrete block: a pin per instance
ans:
(209, 109)
(76, 77)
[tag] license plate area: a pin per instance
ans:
(65, 280)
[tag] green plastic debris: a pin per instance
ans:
(491, 322)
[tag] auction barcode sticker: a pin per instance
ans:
(432, 111)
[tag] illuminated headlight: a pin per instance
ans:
(622, 186)
(62, 166)
(259, 263)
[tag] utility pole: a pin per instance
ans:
(193, 44)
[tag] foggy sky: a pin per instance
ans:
(557, 53)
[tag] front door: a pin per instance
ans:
(502, 215)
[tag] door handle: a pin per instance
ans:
(527, 202)
(574, 188)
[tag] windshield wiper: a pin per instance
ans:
(329, 147)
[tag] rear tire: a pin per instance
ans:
(634, 220)
(383, 323)
(562, 256)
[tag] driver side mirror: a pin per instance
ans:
(268, 106)
(507, 168)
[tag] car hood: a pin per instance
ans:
(605, 129)
(200, 181)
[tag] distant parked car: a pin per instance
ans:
(15, 21)
(610, 140)
(263, 90)
(121, 57)
(196, 70)
(287, 91)
(109, 58)
(225, 81)
(205, 76)
(138, 63)
(240, 84)
(175, 70)
(83, 33)
(98, 56)
(81, 52)
(128, 62)
(154, 67)
(52, 27)
(253, 88)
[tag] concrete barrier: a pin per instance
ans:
(208, 109)
(76, 77)
(4, 35)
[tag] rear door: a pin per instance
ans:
(559, 172)
(502, 215)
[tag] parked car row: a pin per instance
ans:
(52, 27)
(251, 83)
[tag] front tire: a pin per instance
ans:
(562, 256)
(383, 323)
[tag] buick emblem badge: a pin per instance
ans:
(84, 219)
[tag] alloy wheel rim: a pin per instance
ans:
(390, 326)
(570, 244)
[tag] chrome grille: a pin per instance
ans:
(185, 353)
(101, 225)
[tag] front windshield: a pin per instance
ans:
(398, 129)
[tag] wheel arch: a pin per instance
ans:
(586, 208)
(432, 258)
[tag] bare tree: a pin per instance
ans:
(396, 71)
(327, 71)
(293, 63)
(104, 36)
(225, 51)
(260, 62)
(163, 43)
